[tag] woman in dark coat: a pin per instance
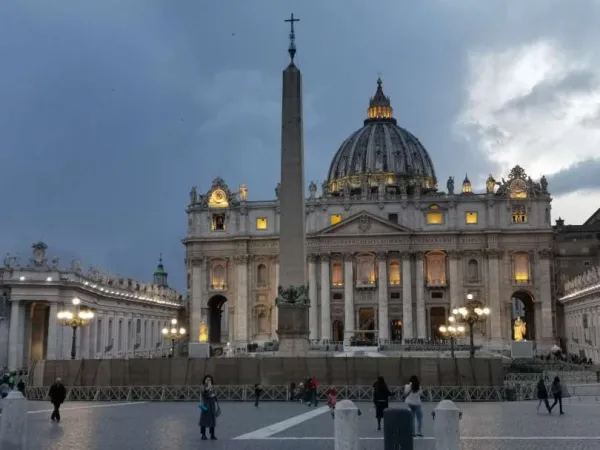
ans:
(209, 408)
(542, 395)
(557, 394)
(381, 395)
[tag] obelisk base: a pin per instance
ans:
(293, 331)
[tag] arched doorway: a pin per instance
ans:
(337, 328)
(523, 310)
(215, 318)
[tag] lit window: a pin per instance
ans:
(521, 268)
(394, 273)
(335, 218)
(519, 215)
(218, 222)
(218, 277)
(435, 218)
(336, 274)
(261, 223)
(471, 217)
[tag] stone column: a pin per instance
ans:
(125, 335)
(420, 287)
(241, 305)
(495, 319)
(91, 352)
(274, 310)
(51, 338)
(115, 333)
(325, 298)
(454, 281)
(407, 310)
(382, 299)
(313, 318)
(198, 302)
(13, 334)
(349, 322)
(544, 282)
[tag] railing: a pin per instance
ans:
(565, 377)
(283, 393)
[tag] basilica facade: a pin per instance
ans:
(390, 254)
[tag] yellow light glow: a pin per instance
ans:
(394, 273)
(434, 207)
(471, 217)
(335, 218)
(203, 333)
(218, 199)
(466, 188)
(521, 277)
(435, 218)
(261, 223)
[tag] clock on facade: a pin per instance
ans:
(218, 198)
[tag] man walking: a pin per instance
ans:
(57, 395)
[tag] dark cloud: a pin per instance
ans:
(112, 110)
(580, 176)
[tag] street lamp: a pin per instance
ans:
(75, 319)
(452, 331)
(473, 312)
(174, 334)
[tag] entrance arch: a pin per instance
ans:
(523, 307)
(215, 318)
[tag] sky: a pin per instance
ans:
(111, 111)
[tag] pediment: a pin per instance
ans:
(364, 223)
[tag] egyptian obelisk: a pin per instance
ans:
(292, 299)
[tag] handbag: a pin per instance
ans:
(203, 407)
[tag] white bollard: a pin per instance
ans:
(446, 426)
(345, 425)
(13, 424)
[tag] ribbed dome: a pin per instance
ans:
(381, 150)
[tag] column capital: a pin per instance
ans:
(241, 259)
(348, 257)
(196, 260)
(311, 257)
(325, 257)
(419, 254)
(493, 253)
(382, 256)
(455, 254)
(406, 256)
(545, 253)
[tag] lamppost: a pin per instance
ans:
(451, 331)
(75, 319)
(473, 312)
(174, 334)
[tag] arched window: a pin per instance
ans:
(337, 276)
(365, 270)
(436, 269)
(521, 268)
(218, 277)
(261, 275)
(394, 273)
(473, 270)
(263, 323)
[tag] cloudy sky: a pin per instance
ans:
(111, 110)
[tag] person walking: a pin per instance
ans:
(556, 390)
(57, 394)
(209, 409)
(257, 391)
(542, 395)
(21, 386)
(381, 396)
(413, 394)
(314, 395)
(331, 399)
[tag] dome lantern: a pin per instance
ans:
(380, 107)
(466, 186)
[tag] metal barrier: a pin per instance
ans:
(565, 377)
(270, 393)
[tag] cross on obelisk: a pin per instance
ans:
(292, 48)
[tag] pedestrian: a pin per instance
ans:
(4, 389)
(209, 409)
(331, 399)
(314, 391)
(308, 387)
(556, 389)
(257, 391)
(542, 395)
(381, 396)
(21, 386)
(413, 399)
(57, 394)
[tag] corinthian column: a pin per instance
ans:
(382, 302)
(198, 301)
(325, 298)
(421, 321)
(455, 281)
(544, 282)
(494, 256)
(274, 314)
(313, 318)
(407, 311)
(349, 323)
(241, 305)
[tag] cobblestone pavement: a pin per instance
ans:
(292, 426)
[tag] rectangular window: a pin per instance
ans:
(393, 217)
(394, 295)
(218, 222)
(335, 218)
(394, 273)
(519, 214)
(435, 218)
(521, 268)
(437, 294)
(261, 223)
(586, 264)
(471, 217)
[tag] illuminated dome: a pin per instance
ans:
(381, 152)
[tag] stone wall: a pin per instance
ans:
(269, 371)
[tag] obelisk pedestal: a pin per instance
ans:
(292, 294)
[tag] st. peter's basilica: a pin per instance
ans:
(389, 253)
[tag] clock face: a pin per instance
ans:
(518, 189)
(219, 196)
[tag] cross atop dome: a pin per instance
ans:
(380, 107)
